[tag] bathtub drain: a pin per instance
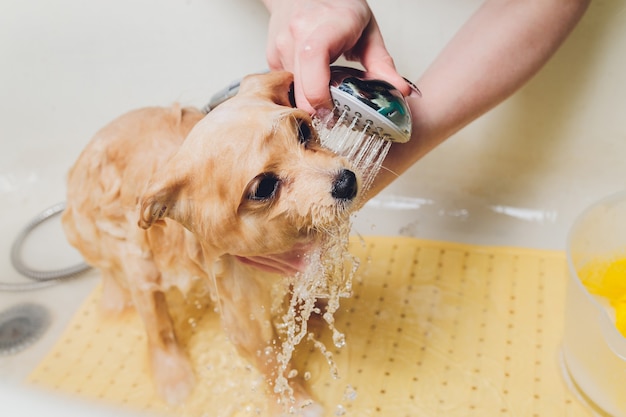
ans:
(22, 325)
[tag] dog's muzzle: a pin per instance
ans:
(345, 186)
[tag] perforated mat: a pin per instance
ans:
(433, 329)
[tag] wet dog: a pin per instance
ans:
(165, 196)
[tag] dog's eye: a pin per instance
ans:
(264, 188)
(305, 133)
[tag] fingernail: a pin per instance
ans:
(413, 87)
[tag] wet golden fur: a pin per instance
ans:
(163, 196)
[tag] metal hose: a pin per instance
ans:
(40, 279)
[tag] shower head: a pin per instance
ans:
(372, 104)
(368, 116)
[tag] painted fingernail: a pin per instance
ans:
(413, 86)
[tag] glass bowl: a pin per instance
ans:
(594, 351)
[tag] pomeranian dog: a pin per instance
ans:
(165, 196)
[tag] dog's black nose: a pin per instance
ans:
(345, 185)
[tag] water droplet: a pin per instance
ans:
(350, 393)
(339, 339)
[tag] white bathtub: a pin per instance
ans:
(517, 176)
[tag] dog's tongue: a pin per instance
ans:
(287, 263)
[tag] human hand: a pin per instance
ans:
(306, 36)
(288, 263)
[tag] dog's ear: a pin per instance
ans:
(158, 202)
(277, 86)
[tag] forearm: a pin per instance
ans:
(498, 50)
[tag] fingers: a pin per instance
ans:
(377, 61)
(311, 71)
(268, 265)
(308, 61)
(312, 75)
(306, 37)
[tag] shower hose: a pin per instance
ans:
(39, 279)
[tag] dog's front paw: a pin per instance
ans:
(173, 375)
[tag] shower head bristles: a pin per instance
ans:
(347, 140)
(332, 132)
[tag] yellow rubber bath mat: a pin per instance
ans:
(432, 329)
